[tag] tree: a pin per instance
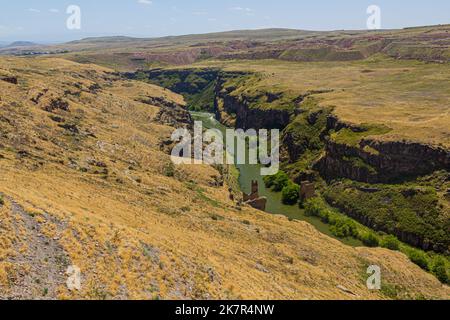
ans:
(370, 240)
(281, 180)
(439, 270)
(391, 243)
(420, 259)
(269, 181)
(291, 193)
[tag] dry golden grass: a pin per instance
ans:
(410, 97)
(135, 232)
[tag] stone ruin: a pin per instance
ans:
(307, 190)
(253, 199)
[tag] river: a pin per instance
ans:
(248, 173)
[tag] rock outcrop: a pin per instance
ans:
(171, 113)
(12, 80)
(237, 111)
(382, 161)
(253, 199)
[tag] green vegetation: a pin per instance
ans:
(344, 227)
(391, 291)
(291, 193)
(390, 242)
(196, 85)
(369, 239)
(203, 101)
(304, 138)
(410, 212)
(277, 182)
(439, 270)
(249, 87)
(357, 162)
(420, 259)
(352, 137)
(2, 202)
(169, 170)
(341, 226)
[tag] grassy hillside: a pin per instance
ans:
(84, 182)
(409, 97)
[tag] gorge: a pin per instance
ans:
(317, 146)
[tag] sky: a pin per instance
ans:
(45, 21)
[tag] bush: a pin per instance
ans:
(420, 259)
(312, 208)
(169, 170)
(344, 228)
(341, 227)
(370, 240)
(277, 182)
(391, 243)
(439, 269)
(269, 180)
(141, 76)
(291, 194)
(2, 202)
(394, 208)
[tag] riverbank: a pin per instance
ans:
(249, 173)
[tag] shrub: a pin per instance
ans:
(420, 259)
(370, 240)
(391, 243)
(344, 228)
(291, 194)
(341, 227)
(2, 202)
(141, 76)
(281, 180)
(269, 180)
(440, 271)
(169, 170)
(313, 207)
(400, 209)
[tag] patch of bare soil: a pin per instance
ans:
(40, 269)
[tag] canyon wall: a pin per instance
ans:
(235, 110)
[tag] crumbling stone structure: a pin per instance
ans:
(307, 190)
(253, 199)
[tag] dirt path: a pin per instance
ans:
(40, 270)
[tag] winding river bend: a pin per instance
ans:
(248, 173)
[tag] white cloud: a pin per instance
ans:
(241, 9)
(34, 10)
(146, 2)
(54, 10)
(245, 11)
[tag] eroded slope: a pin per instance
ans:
(84, 182)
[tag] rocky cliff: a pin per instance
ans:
(236, 110)
(376, 161)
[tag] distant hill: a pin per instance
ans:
(21, 44)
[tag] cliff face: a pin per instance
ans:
(367, 160)
(382, 161)
(246, 117)
(171, 113)
(236, 110)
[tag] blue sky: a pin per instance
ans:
(45, 20)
